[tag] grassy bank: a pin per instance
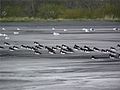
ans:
(32, 19)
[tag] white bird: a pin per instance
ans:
(18, 28)
(85, 29)
(3, 29)
(65, 29)
(53, 28)
(7, 37)
(56, 34)
(115, 29)
(92, 29)
(4, 35)
(15, 33)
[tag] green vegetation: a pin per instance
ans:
(35, 10)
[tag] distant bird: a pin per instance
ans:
(70, 49)
(86, 47)
(7, 38)
(103, 50)
(56, 34)
(62, 52)
(115, 29)
(15, 47)
(93, 57)
(6, 43)
(18, 28)
(37, 52)
(1, 47)
(38, 47)
(64, 46)
(23, 46)
(76, 47)
(112, 48)
(85, 29)
(36, 43)
(111, 56)
(30, 48)
(83, 49)
(92, 29)
(41, 46)
(4, 35)
(51, 51)
(33, 48)
(65, 29)
(11, 49)
(110, 51)
(15, 33)
(118, 45)
(96, 49)
(53, 28)
(54, 48)
(58, 47)
(3, 29)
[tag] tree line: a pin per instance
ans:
(64, 9)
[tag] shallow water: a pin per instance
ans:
(36, 73)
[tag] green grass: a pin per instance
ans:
(32, 19)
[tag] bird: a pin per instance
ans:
(1, 47)
(85, 29)
(111, 56)
(92, 29)
(112, 48)
(70, 50)
(54, 48)
(37, 52)
(33, 48)
(96, 49)
(41, 46)
(88, 48)
(3, 29)
(36, 43)
(58, 47)
(23, 46)
(56, 34)
(7, 38)
(93, 57)
(64, 46)
(110, 51)
(15, 33)
(65, 30)
(11, 49)
(4, 35)
(51, 51)
(15, 47)
(29, 48)
(18, 28)
(38, 47)
(115, 29)
(62, 52)
(76, 47)
(103, 50)
(118, 45)
(6, 43)
(53, 28)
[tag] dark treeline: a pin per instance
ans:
(65, 9)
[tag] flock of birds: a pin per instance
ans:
(63, 49)
(55, 33)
